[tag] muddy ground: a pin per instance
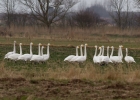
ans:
(21, 89)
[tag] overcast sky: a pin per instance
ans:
(88, 3)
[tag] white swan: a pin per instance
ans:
(81, 51)
(115, 59)
(37, 58)
(100, 55)
(16, 55)
(120, 51)
(129, 59)
(26, 57)
(71, 56)
(46, 56)
(81, 59)
(12, 52)
(106, 59)
(95, 57)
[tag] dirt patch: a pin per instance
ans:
(66, 89)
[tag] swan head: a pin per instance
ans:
(95, 46)
(102, 46)
(82, 45)
(14, 41)
(99, 47)
(39, 44)
(108, 47)
(112, 47)
(48, 44)
(77, 47)
(20, 43)
(121, 46)
(31, 43)
(86, 44)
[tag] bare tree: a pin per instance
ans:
(137, 3)
(86, 18)
(9, 7)
(119, 11)
(49, 11)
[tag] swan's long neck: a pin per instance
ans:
(76, 51)
(31, 49)
(121, 52)
(38, 49)
(42, 51)
(14, 49)
(95, 51)
(112, 52)
(81, 51)
(126, 52)
(20, 49)
(102, 51)
(85, 52)
(48, 51)
(108, 51)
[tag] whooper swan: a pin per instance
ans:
(81, 59)
(106, 59)
(71, 56)
(12, 52)
(26, 57)
(115, 59)
(16, 55)
(129, 59)
(35, 58)
(46, 56)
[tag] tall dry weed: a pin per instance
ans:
(89, 72)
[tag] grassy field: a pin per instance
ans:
(59, 80)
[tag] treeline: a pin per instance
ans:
(47, 13)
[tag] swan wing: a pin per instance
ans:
(25, 57)
(69, 57)
(129, 59)
(14, 56)
(46, 57)
(9, 53)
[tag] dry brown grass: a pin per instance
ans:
(99, 34)
(90, 72)
(77, 33)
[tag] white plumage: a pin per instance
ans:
(96, 59)
(81, 59)
(26, 57)
(12, 52)
(106, 59)
(115, 59)
(16, 55)
(129, 59)
(71, 56)
(37, 58)
(46, 56)
(81, 55)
